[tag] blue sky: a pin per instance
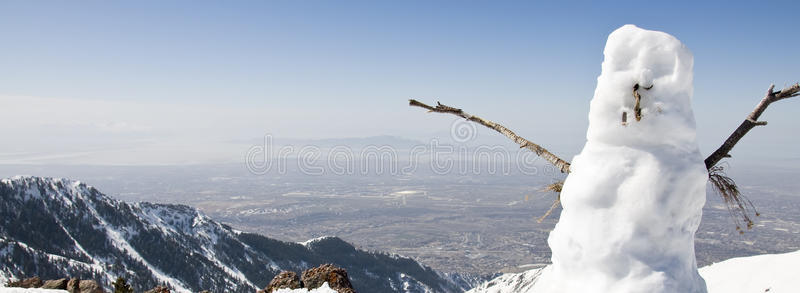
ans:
(106, 74)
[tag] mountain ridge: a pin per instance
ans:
(58, 227)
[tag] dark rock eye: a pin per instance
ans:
(637, 109)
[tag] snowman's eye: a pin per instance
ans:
(637, 109)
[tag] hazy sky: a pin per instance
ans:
(178, 81)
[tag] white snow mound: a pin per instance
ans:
(773, 273)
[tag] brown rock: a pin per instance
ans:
(55, 284)
(158, 289)
(90, 286)
(33, 282)
(284, 280)
(73, 285)
(336, 278)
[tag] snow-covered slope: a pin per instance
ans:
(773, 273)
(54, 228)
(507, 283)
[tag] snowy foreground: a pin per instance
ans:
(762, 273)
(322, 289)
(773, 273)
(776, 272)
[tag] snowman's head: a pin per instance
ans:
(656, 67)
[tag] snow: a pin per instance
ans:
(52, 257)
(123, 245)
(634, 197)
(507, 283)
(773, 273)
(322, 289)
(314, 240)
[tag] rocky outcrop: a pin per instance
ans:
(158, 289)
(72, 285)
(313, 278)
(284, 280)
(34, 282)
(88, 286)
(56, 284)
(336, 278)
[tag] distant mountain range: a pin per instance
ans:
(351, 142)
(55, 228)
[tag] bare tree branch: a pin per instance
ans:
(736, 202)
(750, 122)
(562, 165)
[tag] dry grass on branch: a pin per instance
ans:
(554, 187)
(739, 206)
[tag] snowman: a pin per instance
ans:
(634, 197)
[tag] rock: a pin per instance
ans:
(158, 289)
(284, 280)
(90, 286)
(335, 276)
(83, 286)
(73, 285)
(33, 282)
(56, 284)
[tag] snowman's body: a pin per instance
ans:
(634, 197)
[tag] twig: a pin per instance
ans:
(554, 187)
(562, 165)
(556, 203)
(750, 122)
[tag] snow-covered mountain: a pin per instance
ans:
(773, 273)
(54, 228)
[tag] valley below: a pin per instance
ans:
(477, 224)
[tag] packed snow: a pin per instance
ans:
(634, 197)
(773, 273)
